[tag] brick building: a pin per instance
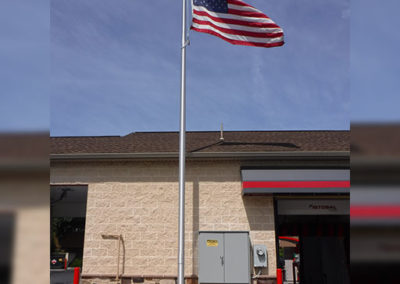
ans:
(270, 184)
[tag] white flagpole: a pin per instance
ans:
(182, 154)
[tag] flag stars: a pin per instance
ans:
(218, 6)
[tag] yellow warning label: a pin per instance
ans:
(212, 243)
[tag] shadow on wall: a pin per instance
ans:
(260, 215)
(259, 212)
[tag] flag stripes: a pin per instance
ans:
(224, 16)
(247, 13)
(235, 21)
(229, 30)
(203, 19)
(241, 8)
(239, 3)
(242, 24)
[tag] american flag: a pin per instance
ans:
(236, 22)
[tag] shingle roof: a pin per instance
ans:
(24, 151)
(375, 140)
(209, 141)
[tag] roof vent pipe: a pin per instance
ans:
(222, 133)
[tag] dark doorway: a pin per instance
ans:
(314, 249)
(68, 216)
(6, 243)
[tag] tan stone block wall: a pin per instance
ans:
(25, 197)
(139, 200)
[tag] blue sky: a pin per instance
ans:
(103, 67)
(375, 61)
(24, 65)
(116, 69)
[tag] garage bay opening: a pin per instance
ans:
(313, 239)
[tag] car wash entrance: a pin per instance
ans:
(313, 240)
(311, 221)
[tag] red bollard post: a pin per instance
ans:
(76, 275)
(279, 278)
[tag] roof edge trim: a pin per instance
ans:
(288, 154)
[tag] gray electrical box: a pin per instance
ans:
(260, 256)
(224, 257)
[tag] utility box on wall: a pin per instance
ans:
(224, 257)
(260, 256)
